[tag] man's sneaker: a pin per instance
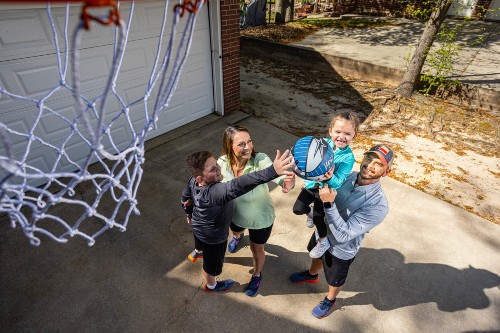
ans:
(321, 310)
(253, 286)
(309, 221)
(321, 247)
(233, 244)
(193, 256)
(303, 277)
(220, 287)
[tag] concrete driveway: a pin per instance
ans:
(428, 267)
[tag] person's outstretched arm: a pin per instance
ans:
(221, 193)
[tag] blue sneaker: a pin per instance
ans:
(253, 286)
(321, 310)
(220, 287)
(233, 244)
(303, 277)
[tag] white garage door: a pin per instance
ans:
(28, 67)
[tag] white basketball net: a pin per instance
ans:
(116, 173)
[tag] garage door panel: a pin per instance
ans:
(23, 30)
(76, 151)
(196, 77)
(199, 106)
(133, 93)
(24, 33)
(199, 46)
(36, 77)
(34, 80)
(119, 140)
(151, 15)
(137, 118)
(137, 61)
(52, 125)
(19, 124)
(29, 32)
(174, 115)
(192, 93)
(39, 162)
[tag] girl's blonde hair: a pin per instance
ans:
(349, 116)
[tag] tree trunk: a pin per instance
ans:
(315, 10)
(412, 74)
(283, 11)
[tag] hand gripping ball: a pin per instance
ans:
(313, 157)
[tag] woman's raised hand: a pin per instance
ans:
(283, 163)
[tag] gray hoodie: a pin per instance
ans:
(355, 211)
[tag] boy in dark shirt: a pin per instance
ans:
(210, 209)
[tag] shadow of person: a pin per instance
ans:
(280, 264)
(381, 278)
(384, 280)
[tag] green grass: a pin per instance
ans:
(342, 23)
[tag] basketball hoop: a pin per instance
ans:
(29, 195)
(114, 13)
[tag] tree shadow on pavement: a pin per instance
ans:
(402, 34)
(295, 83)
(410, 31)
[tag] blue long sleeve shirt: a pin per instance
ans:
(355, 211)
(344, 161)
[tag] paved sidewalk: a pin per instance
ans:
(388, 46)
(429, 267)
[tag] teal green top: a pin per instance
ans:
(344, 161)
(255, 209)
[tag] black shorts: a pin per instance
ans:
(335, 269)
(213, 256)
(257, 236)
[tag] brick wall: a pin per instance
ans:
(230, 31)
(481, 8)
(376, 7)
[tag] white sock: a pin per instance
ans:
(212, 287)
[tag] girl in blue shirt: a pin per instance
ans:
(343, 129)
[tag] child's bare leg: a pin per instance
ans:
(209, 279)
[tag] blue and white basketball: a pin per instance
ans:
(313, 157)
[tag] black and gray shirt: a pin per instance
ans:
(212, 207)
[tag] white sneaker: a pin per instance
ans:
(321, 247)
(309, 221)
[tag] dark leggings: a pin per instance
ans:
(301, 207)
(257, 236)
